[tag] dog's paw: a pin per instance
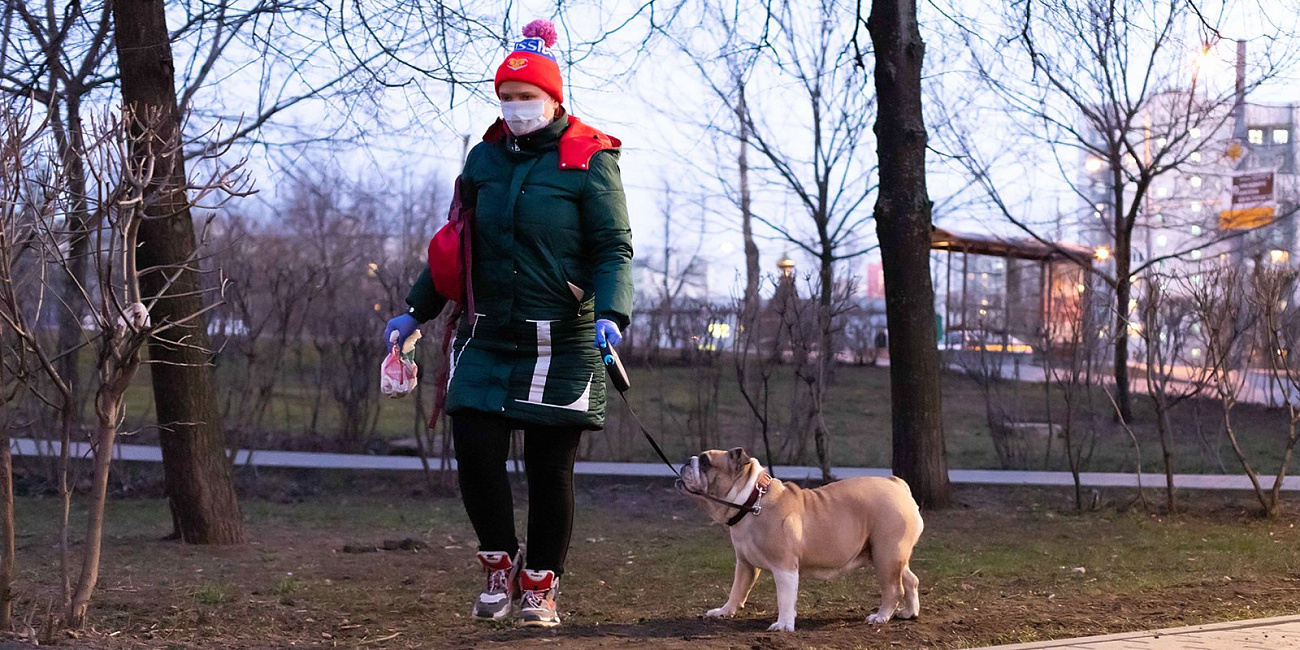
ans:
(780, 627)
(720, 612)
(877, 619)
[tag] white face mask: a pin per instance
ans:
(524, 117)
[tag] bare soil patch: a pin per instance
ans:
(998, 567)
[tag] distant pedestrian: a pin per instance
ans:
(551, 274)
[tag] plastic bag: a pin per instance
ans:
(399, 375)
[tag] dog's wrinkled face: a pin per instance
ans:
(715, 472)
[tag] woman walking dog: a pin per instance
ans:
(550, 279)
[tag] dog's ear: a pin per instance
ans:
(738, 456)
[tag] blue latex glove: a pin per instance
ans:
(403, 326)
(607, 331)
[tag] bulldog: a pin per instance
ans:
(823, 532)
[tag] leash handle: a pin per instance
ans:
(614, 367)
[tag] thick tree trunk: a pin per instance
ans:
(903, 227)
(197, 472)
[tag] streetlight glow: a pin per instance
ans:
(1102, 253)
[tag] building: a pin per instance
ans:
(1226, 191)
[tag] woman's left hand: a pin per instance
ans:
(607, 331)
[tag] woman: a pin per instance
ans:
(551, 275)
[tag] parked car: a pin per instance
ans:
(986, 341)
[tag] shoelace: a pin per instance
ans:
(533, 599)
(498, 580)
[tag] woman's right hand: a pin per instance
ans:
(402, 326)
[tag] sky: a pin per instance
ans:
(643, 89)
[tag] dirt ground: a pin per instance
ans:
(1002, 565)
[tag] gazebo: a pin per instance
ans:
(1022, 289)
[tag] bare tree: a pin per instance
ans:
(806, 48)
(1111, 85)
(122, 176)
(198, 481)
(1165, 326)
(272, 283)
(1073, 330)
(1219, 298)
(1272, 299)
(903, 227)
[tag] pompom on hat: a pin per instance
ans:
(532, 61)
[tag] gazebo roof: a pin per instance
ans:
(1025, 248)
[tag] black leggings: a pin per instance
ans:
(482, 450)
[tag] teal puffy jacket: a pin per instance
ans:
(552, 252)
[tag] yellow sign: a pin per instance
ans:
(1246, 219)
(1252, 204)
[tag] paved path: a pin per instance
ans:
(1258, 386)
(1261, 634)
(302, 459)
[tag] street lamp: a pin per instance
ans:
(1102, 253)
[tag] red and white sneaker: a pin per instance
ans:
(537, 605)
(500, 588)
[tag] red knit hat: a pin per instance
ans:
(532, 61)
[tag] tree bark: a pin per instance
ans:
(1123, 293)
(825, 359)
(746, 213)
(105, 435)
(903, 228)
(7, 546)
(197, 473)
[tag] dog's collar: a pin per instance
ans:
(752, 504)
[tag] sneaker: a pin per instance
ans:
(500, 589)
(538, 603)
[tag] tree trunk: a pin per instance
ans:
(197, 472)
(1166, 447)
(746, 213)
(903, 228)
(106, 434)
(7, 546)
(1123, 293)
(825, 358)
(71, 143)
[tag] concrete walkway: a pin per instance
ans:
(1278, 633)
(303, 459)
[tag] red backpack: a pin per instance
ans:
(450, 255)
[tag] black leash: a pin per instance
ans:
(618, 377)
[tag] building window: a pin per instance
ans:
(1196, 156)
(1255, 136)
(1195, 181)
(1162, 191)
(1161, 240)
(1196, 206)
(1279, 256)
(1161, 142)
(1281, 136)
(1195, 133)
(1196, 254)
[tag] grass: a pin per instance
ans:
(998, 567)
(213, 594)
(857, 414)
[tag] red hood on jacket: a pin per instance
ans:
(577, 145)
